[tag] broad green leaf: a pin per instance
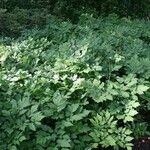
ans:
(32, 127)
(141, 89)
(64, 143)
(111, 140)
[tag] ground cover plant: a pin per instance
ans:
(17, 15)
(76, 87)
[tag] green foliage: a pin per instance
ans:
(17, 15)
(73, 86)
(71, 8)
(107, 133)
(14, 22)
(140, 129)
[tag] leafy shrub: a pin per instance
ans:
(14, 22)
(74, 86)
(70, 8)
(20, 15)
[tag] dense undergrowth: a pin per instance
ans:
(76, 86)
(17, 15)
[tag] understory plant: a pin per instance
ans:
(74, 86)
